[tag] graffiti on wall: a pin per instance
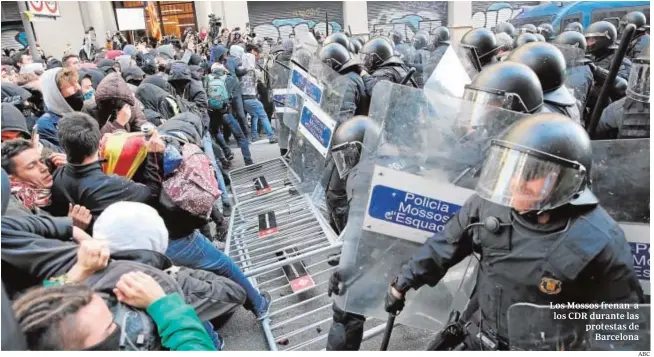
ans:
(14, 38)
(299, 23)
(405, 16)
(488, 14)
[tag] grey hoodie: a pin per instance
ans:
(52, 97)
(167, 51)
(124, 61)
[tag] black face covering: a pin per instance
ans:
(76, 101)
(111, 343)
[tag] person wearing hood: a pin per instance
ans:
(167, 51)
(133, 76)
(218, 53)
(158, 104)
(235, 59)
(224, 117)
(107, 66)
(89, 79)
(129, 50)
(125, 62)
(62, 94)
(27, 98)
(117, 106)
(35, 67)
(252, 104)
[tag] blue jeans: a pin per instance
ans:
(197, 252)
(215, 338)
(236, 131)
(208, 149)
(256, 111)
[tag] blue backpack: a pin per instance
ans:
(217, 91)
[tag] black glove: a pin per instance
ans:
(334, 281)
(393, 305)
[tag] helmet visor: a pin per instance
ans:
(483, 102)
(638, 86)
(528, 180)
(345, 157)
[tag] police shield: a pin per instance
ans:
(447, 74)
(579, 327)
(315, 97)
(406, 186)
(620, 180)
(574, 57)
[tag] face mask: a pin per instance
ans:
(76, 101)
(88, 95)
(111, 343)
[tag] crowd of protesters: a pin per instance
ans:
(100, 250)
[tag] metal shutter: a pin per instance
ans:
(489, 13)
(278, 19)
(10, 11)
(10, 36)
(405, 16)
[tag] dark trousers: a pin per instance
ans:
(346, 332)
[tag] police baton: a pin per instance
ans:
(387, 332)
(409, 77)
(610, 79)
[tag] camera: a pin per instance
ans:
(215, 21)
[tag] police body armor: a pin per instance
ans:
(635, 120)
(394, 71)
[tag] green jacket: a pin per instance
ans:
(179, 326)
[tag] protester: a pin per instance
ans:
(71, 61)
(62, 94)
(253, 106)
(117, 107)
(21, 59)
(82, 181)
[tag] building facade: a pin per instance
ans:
(270, 19)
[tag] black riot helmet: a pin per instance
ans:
(441, 34)
(571, 38)
(549, 65)
(377, 52)
(505, 27)
(540, 37)
(337, 57)
(359, 40)
(347, 142)
(507, 85)
(483, 40)
(638, 85)
(635, 17)
(600, 36)
(574, 26)
(529, 28)
(525, 38)
(547, 31)
(421, 41)
(396, 37)
(356, 46)
(337, 37)
(538, 164)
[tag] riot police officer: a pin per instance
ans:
(505, 27)
(483, 40)
(579, 75)
(529, 28)
(440, 44)
(629, 117)
(346, 332)
(549, 65)
(509, 85)
(640, 41)
(337, 37)
(420, 57)
(547, 31)
(401, 48)
(532, 196)
(574, 26)
(355, 99)
(525, 38)
(601, 45)
(382, 64)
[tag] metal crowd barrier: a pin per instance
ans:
(261, 179)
